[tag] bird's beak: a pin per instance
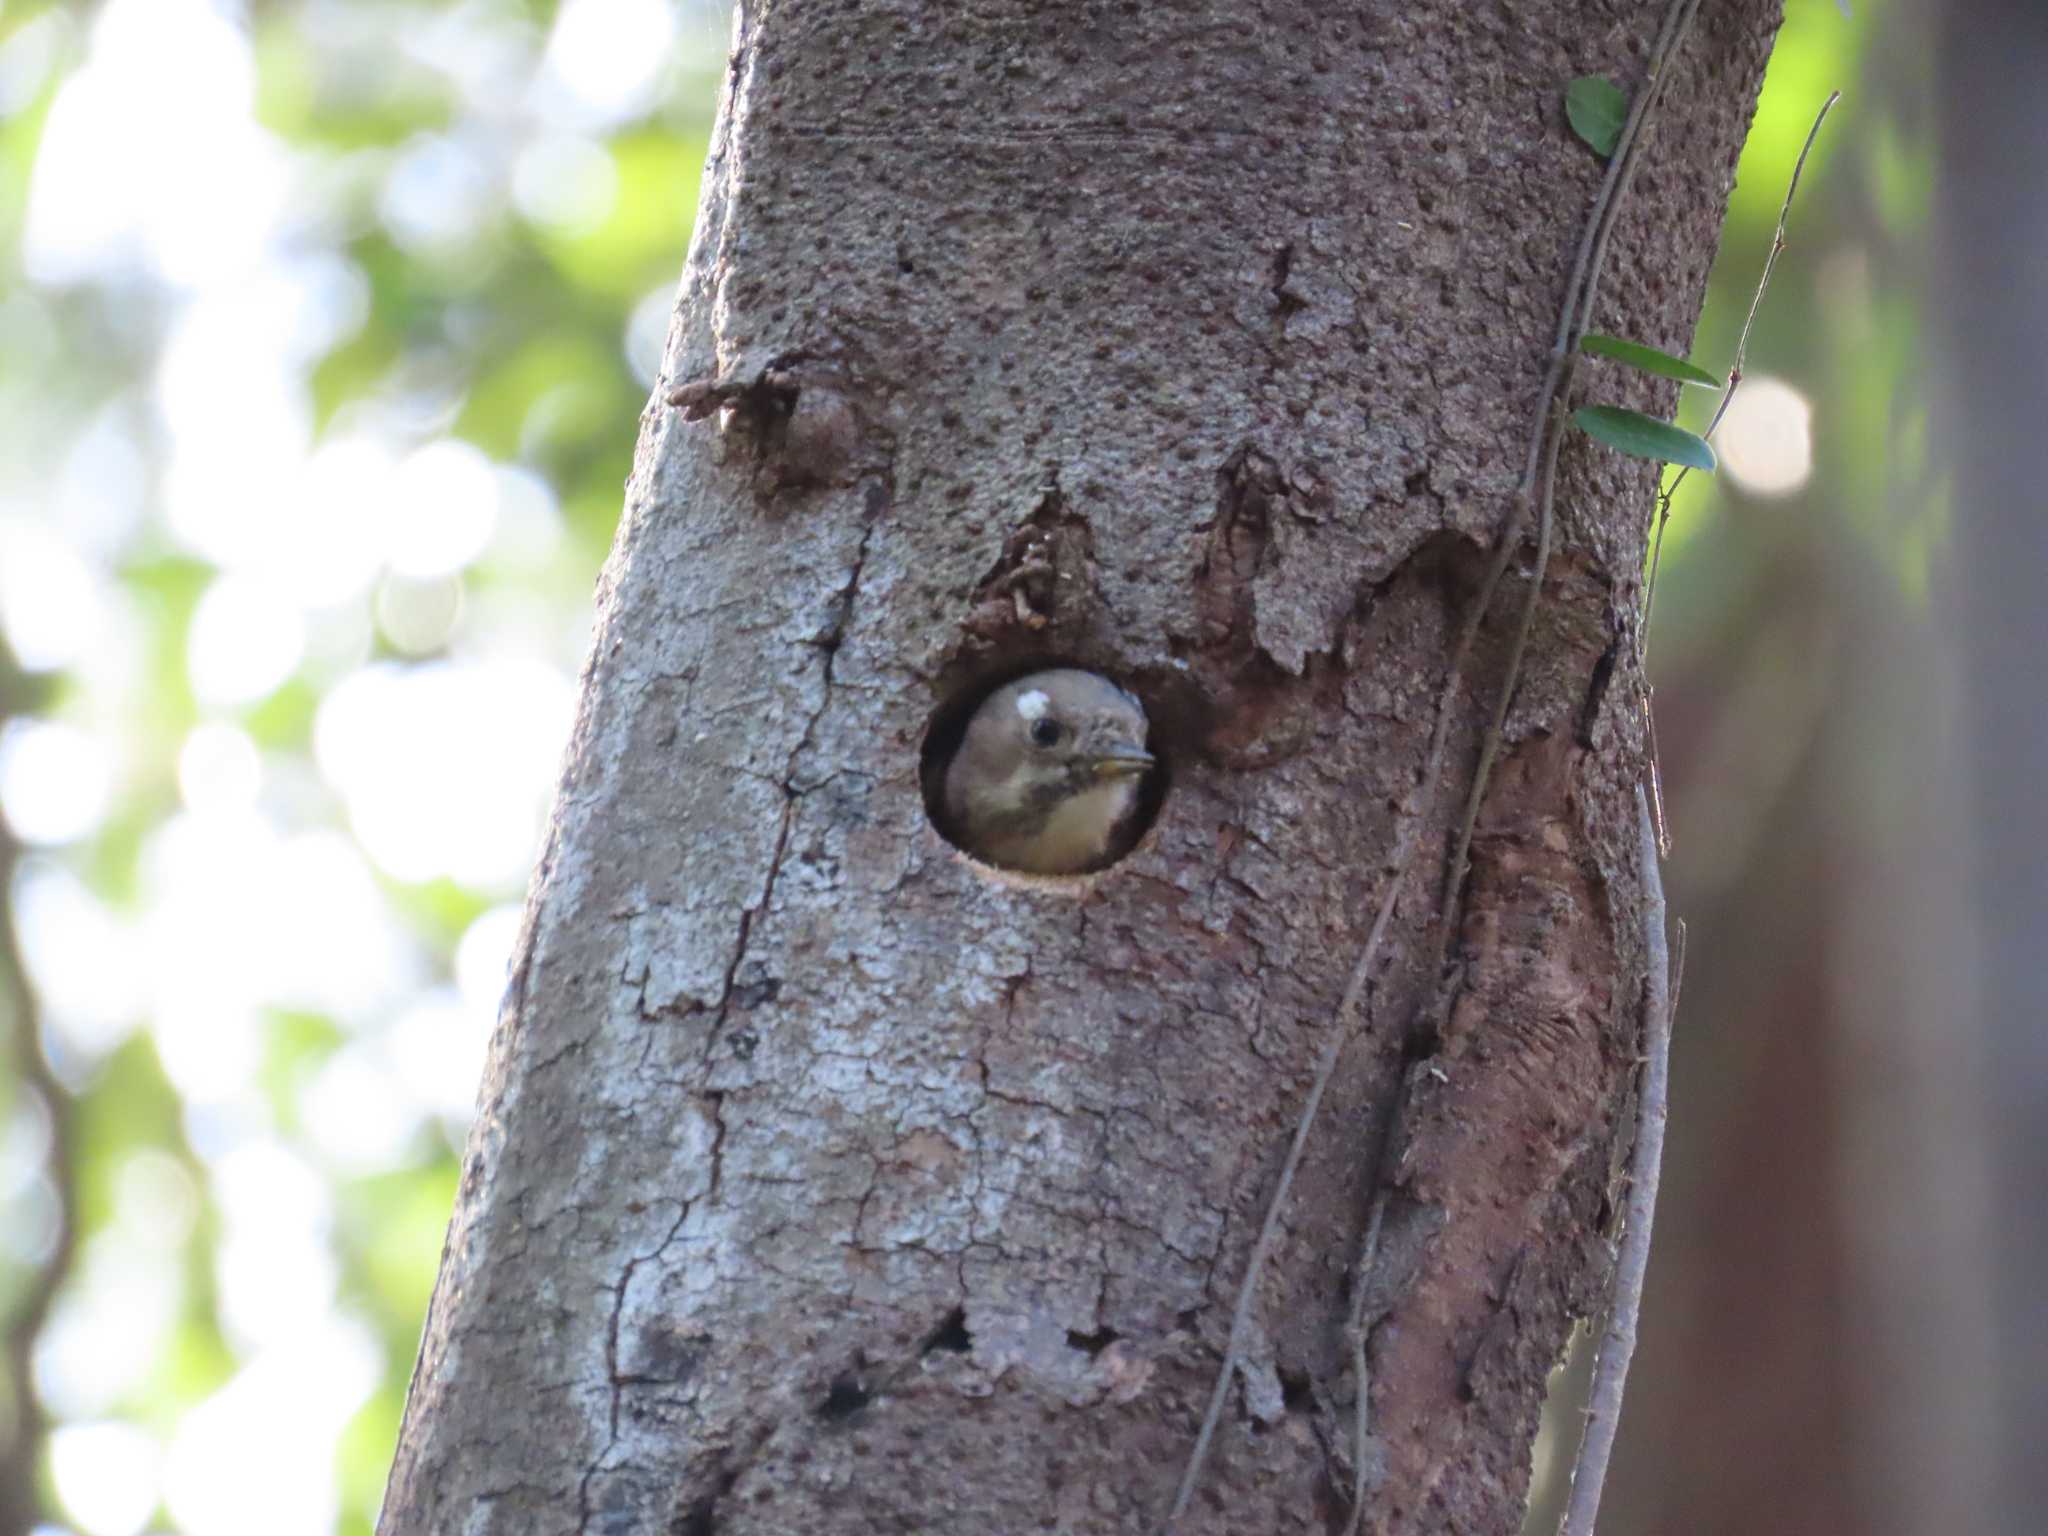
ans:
(1120, 762)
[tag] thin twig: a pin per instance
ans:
(1489, 747)
(1677, 22)
(1662, 511)
(1756, 301)
(1677, 967)
(1355, 1328)
(1618, 1343)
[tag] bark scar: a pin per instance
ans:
(1044, 579)
(799, 423)
(1504, 1137)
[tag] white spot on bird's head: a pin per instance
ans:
(1032, 703)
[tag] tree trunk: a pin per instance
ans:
(823, 1182)
(1990, 219)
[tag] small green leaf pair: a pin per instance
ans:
(1598, 112)
(1633, 432)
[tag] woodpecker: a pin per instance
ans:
(1048, 774)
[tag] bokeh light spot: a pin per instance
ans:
(147, 204)
(106, 1475)
(107, 1328)
(416, 616)
(439, 195)
(1766, 439)
(54, 780)
(483, 957)
(444, 508)
(607, 55)
(446, 768)
(439, 1046)
(219, 768)
(647, 333)
(85, 961)
(245, 640)
(565, 181)
(51, 603)
(257, 1458)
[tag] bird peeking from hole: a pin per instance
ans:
(1048, 775)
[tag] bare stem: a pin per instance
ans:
(1356, 1330)
(1662, 512)
(1489, 748)
(1756, 301)
(1618, 1343)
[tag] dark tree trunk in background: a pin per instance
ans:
(822, 1184)
(1817, 1355)
(1991, 217)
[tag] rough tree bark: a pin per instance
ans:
(822, 1183)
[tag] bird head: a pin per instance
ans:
(1048, 773)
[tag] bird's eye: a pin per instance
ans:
(1046, 731)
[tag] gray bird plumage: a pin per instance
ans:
(1048, 773)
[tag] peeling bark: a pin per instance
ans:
(823, 1184)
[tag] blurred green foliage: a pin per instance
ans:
(542, 217)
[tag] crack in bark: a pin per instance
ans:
(701, 1516)
(618, 1382)
(877, 500)
(717, 1102)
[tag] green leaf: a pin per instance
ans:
(1644, 436)
(1597, 110)
(1649, 359)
